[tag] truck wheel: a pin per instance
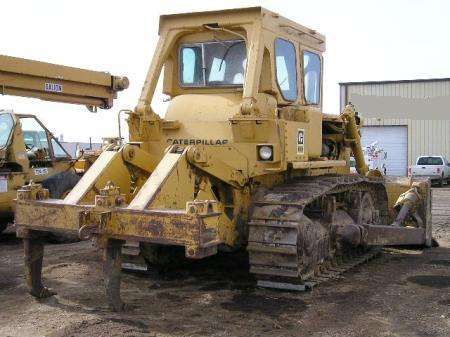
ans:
(441, 181)
(58, 186)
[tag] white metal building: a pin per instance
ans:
(72, 147)
(407, 118)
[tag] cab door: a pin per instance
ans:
(45, 154)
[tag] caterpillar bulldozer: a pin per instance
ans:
(244, 158)
(28, 150)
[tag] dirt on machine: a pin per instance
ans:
(28, 150)
(243, 159)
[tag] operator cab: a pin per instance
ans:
(39, 145)
(230, 67)
(247, 55)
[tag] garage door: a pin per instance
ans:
(394, 141)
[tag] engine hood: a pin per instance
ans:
(204, 107)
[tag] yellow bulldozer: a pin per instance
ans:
(243, 159)
(28, 150)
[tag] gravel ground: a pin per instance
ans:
(404, 292)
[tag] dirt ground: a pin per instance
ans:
(404, 292)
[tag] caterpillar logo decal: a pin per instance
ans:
(184, 141)
(301, 141)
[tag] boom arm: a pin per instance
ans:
(57, 83)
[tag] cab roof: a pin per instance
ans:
(240, 16)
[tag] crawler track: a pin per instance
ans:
(291, 240)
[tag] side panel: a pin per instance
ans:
(297, 137)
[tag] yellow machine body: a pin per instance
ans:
(206, 149)
(244, 156)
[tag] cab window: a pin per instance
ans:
(286, 69)
(212, 64)
(311, 71)
(34, 135)
(430, 161)
(58, 150)
(192, 73)
(6, 127)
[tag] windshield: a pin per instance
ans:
(430, 161)
(6, 127)
(209, 64)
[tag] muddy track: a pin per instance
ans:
(289, 249)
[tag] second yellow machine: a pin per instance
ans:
(28, 150)
(243, 158)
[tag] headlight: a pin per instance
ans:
(265, 152)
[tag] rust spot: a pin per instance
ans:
(155, 228)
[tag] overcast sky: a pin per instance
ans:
(366, 40)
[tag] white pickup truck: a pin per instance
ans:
(436, 168)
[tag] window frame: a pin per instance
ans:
(296, 69)
(180, 65)
(302, 64)
(43, 128)
(49, 136)
(11, 131)
(204, 85)
(55, 157)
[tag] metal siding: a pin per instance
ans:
(414, 90)
(427, 136)
(342, 97)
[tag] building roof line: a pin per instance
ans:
(442, 79)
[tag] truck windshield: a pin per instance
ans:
(6, 127)
(430, 161)
(210, 64)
